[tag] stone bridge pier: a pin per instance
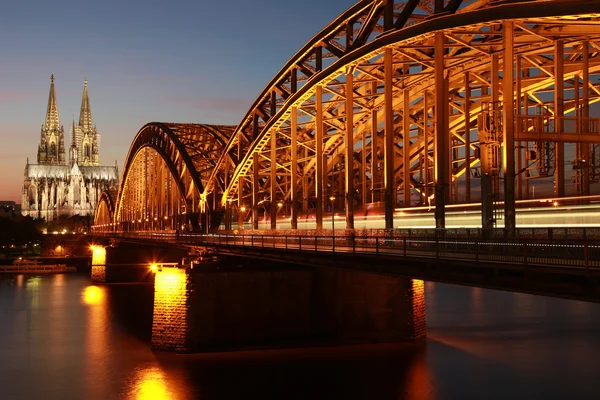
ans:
(226, 305)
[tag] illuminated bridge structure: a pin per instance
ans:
(394, 106)
(398, 114)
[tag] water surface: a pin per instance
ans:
(63, 338)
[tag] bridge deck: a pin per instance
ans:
(559, 268)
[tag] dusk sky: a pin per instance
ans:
(179, 61)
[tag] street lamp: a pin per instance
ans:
(332, 199)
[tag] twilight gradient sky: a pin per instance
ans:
(145, 60)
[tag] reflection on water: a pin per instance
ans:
(63, 338)
(93, 295)
(149, 384)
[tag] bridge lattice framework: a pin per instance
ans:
(400, 103)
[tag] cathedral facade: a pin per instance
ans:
(56, 186)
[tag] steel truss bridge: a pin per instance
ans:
(394, 104)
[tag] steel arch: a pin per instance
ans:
(363, 33)
(189, 152)
(105, 210)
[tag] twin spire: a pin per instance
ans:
(85, 113)
(84, 137)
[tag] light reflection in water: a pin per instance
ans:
(97, 340)
(20, 280)
(58, 280)
(92, 295)
(150, 383)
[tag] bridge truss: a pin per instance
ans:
(402, 103)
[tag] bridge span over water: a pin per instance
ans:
(399, 114)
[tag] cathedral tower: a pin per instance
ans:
(87, 138)
(51, 150)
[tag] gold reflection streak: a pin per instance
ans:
(419, 380)
(93, 295)
(96, 363)
(150, 384)
(58, 280)
(20, 281)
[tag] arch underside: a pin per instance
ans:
(165, 173)
(105, 210)
(293, 145)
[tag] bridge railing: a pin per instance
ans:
(521, 253)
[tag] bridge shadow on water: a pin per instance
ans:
(130, 305)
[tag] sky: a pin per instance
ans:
(146, 60)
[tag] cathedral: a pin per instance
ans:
(55, 186)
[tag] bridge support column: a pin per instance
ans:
(255, 187)
(585, 148)
(388, 145)
(441, 139)
(98, 264)
(349, 153)
(559, 112)
(273, 179)
(509, 130)
(319, 173)
(294, 198)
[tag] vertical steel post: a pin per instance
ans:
(586, 115)
(294, 168)
(255, 199)
(426, 175)
(559, 112)
(406, 146)
(526, 144)
(509, 129)
(374, 151)
(273, 179)
(389, 181)
(349, 152)
(240, 203)
(441, 138)
(519, 146)
(467, 111)
(363, 170)
(319, 175)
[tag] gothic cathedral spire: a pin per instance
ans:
(85, 114)
(52, 121)
(88, 139)
(52, 142)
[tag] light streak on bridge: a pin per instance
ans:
(405, 104)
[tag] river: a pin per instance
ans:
(63, 338)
